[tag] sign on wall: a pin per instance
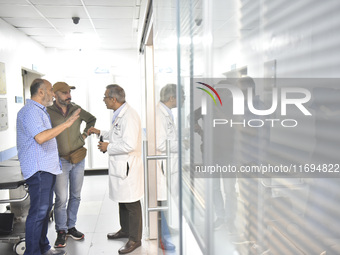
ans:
(2, 79)
(3, 114)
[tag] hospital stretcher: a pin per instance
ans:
(12, 228)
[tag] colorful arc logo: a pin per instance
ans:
(204, 102)
(213, 90)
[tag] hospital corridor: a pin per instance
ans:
(97, 216)
(169, 127)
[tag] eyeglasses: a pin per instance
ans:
(106, 97)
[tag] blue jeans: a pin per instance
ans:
(164, 234)
(40, 187)
(69, 183)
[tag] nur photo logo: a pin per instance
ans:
(245, 103)
(204, 102)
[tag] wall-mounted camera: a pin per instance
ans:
(75, 20)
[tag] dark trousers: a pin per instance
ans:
(40, 187)
(130, 216)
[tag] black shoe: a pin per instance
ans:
(75, 234)
(119, 234)
(129, 247)
(54, 252)
(167, 246)
(61, 239)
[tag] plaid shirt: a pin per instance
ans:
(33, 119)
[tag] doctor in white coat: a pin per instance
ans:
(166, 130)
(126, 184)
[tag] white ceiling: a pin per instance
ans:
(107, 24)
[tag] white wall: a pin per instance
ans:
(76, 67)
(121, 65)
(302, 37)
(16, 51)
(90, 73)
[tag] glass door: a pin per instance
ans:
(167, 105)
(237, 62)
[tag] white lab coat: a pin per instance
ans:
(166, 130)
(126, 176)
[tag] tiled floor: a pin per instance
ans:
(97, 216)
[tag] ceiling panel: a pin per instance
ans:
(46, 38)
(111, 2)
(13, 2)
(49, 22)
(68, 24)
(125, 24)
(114, 37)
(117, 46)
(17, 11)
(39, 31)
(27, 22)
(108, 32)
(62, 11)
(110, 12)
(54, 2)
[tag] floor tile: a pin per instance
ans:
(97, 216)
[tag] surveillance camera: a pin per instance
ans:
(198, 22)
(75, 20)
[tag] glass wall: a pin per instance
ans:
(166, 126)
(261, 84)
(257, 131)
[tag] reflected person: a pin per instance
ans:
(224, 185)
(251, 152)
(166, 131)
(222, 142)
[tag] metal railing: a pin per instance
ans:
(16, 200)
(146, 158)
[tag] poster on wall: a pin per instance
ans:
(3, 114)
(2, 79)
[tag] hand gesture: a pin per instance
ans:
(72, 118)
(93, 130)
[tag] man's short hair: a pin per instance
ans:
(36, 84)
(117, 92)
(168, 91)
